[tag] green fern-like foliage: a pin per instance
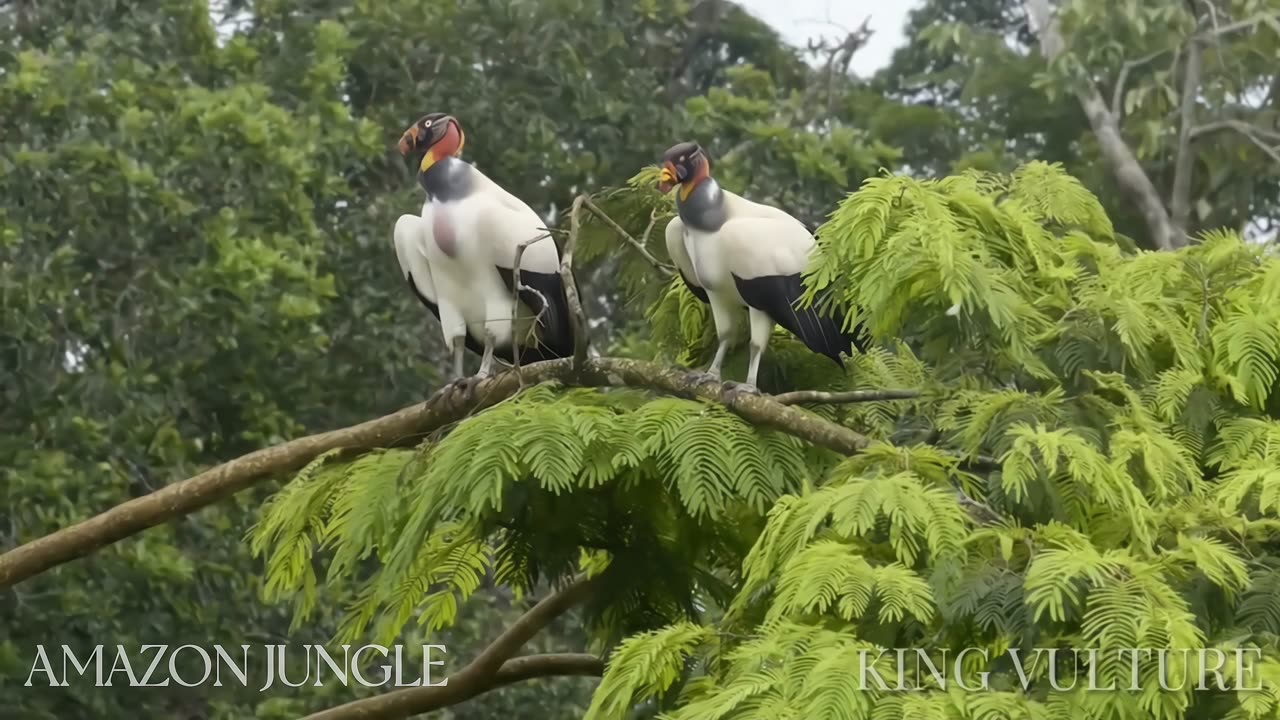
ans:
(1113, 414)
(519, 493)
(1093, 464)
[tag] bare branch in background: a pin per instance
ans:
(1117, 93)
(492, 668)
(1218, 31)
(1124, 163)
(595, 210)
(1254, 134)
(1184, 160)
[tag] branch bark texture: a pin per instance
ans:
(492, 668)
(404, 427)
(1106, 128)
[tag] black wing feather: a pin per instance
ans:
(557, 327)
(777, 296)
(698, 292)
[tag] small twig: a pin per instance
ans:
(515, 300)
(1239, 126)
(1220, 30)
(849, 396)
(571, 285)
(648, 229)
(1249, 131)
(1117, 94)
(600, 214)
(982, 513)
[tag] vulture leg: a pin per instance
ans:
(722, 314)
(461, 383)
(761, 329)
(459, 347)
(718, 360)
(486, 360)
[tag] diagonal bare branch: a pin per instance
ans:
(493, 667)
(517, 286)
(1117, 93)
(1248, 23)
(603, 217)
(1124, 163)
(406, 427)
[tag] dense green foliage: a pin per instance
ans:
(1132, 403)
(1129, 399)
(195, 263)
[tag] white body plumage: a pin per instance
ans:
(455, 254)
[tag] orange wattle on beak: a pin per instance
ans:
(666, 179)
(408, 140)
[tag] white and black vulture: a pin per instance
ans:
(734, 253)
(458, 256)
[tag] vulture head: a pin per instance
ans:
(433, 136)
(685, 163)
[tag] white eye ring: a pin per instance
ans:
(427, 124)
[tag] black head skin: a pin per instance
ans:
(436, 140)
(700, 202)
(434, 136)
(685, 163)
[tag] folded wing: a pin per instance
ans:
(768, 253)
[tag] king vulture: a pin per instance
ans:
(458, 256)
(734, 253)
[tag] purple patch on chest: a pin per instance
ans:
(442, 231)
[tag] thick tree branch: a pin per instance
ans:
(1106, 128)
(1184, 161)
(493, 667)
(404, 427)
(799, 397)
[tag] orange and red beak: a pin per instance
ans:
(409, 140)
(666, 178)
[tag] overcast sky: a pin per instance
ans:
(800, 20)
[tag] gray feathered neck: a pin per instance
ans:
(448, 179)
(704, 209)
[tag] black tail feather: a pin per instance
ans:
(821, 331)
(556, 333)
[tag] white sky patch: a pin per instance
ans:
(799, 21)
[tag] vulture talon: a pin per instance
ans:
(735, 390)
(701, 378)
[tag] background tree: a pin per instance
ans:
(194, 233)
(1166, 110)
(196, 263)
